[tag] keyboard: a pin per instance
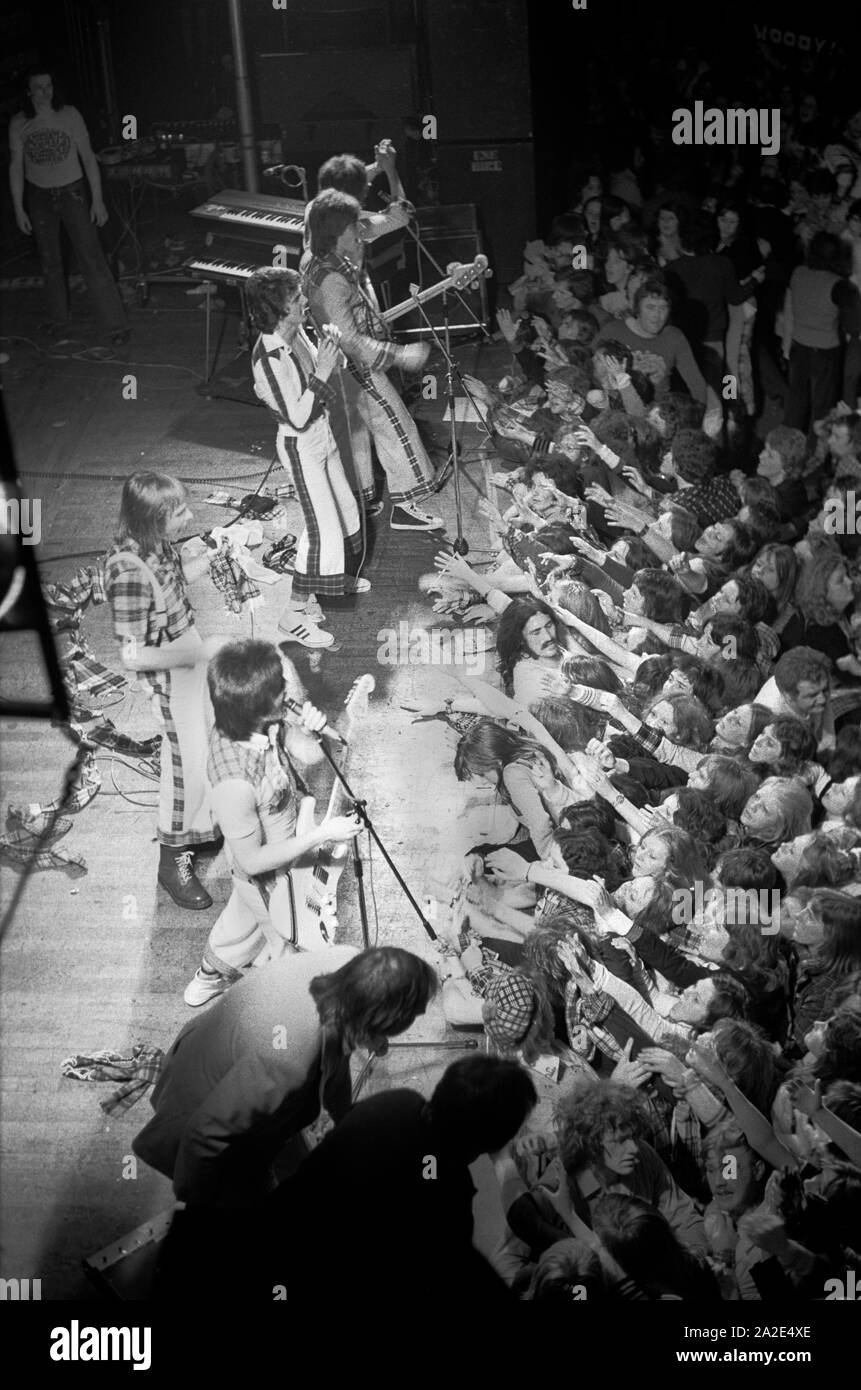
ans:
(253, 217)
(219, 270)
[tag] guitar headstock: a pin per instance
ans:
(356, 703)
(462, 276)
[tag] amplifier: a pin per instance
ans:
(450, 234)
(168, 170)
(168, 134)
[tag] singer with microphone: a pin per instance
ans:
(292, 378)
(255, 803)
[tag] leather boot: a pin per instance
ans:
(177, 877)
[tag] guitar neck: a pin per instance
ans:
(397, 311)
(338, 799)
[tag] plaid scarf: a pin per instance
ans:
(137, 1073)
(230, 579)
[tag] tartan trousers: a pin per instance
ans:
(368, 408)
(182, 709)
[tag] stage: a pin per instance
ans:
(101, 960)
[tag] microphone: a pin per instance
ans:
(277, 169)
(325, 732)
(332, 334)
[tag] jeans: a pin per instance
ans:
(852, 372)
(814, 384)
(69, 207)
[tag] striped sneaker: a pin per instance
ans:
(406, 516)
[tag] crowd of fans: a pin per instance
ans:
(670, 928)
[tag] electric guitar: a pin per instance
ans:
(309, 888)
(457, 278)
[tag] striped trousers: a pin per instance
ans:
(331, 541)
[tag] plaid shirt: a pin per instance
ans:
(136, 610)
(267, 768)
(334, 290)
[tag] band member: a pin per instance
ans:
(347, 173)
(255, 801)
(332, 271)
(50, 153)
(291, 377)
(145, 582)
(258, 1066)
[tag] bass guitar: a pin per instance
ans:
(457, 277)
(308, 890)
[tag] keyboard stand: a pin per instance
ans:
(211, 288)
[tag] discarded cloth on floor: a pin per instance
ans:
(32, 830)
(136, 1072)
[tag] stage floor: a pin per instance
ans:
(101, 961)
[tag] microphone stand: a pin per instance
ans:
(361, 808)
(452, 463)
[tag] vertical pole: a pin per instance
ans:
(244, 112)
(109, 91)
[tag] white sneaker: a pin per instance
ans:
(297, 628)
(406, 516)
(204, 987)
(310, 609)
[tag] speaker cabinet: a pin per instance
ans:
(478, 69)
(499, 178)
(335, 102)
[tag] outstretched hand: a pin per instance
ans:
(805, 1098)
(630, 1073)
